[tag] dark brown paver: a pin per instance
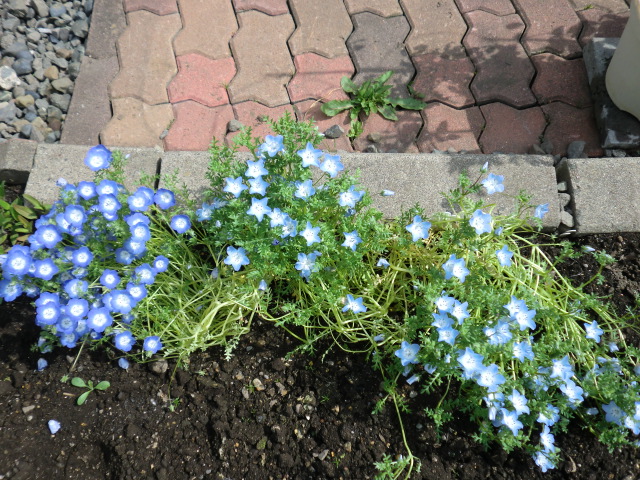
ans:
(202, 79)
(376, 45)
(310, 110)
(253, 114)
(504, 71)
(136, 124)
(568, 124)
(559, 79)
(437, 29)
(398, 136)
(612, 6)
(270, 7)
(322, 28)
(447, 128)
(600, 23)
(509, 130)
(108, 21)
(552, 27)
(318, 78)
(196, 125)
(159, 7)
(384, 8)
(497, 7)
(444, 80)
(264, 68)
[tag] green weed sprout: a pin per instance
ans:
(80, 383)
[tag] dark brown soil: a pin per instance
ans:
(259, 415)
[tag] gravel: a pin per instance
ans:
(41, 47)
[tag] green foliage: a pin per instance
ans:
(80, 383)
(16, 219)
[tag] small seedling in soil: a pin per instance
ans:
(80, 383)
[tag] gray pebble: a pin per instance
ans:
(61, 101)
(19, 8)
(8, 78)
(7, 112)
(576, 149)
(62, 85)
(25, 131)
(41, 7)
(15, 48)
(335, 131)
(57, 10)
(5, 96)
(234, 125)
(22, 66)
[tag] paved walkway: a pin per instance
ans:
(497, 75)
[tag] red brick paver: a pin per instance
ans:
(262, 72)
(509, 130)
(504, 71)
(270, 7)
(196, 125)
(322, 27)
(310, 110)
(136, 124)
(384, 8)
(253, 114)
(317, 77)
(562, 80)
(202, 35)
(398, 136)
(600, 23)
(202, 79)
(568, 124)
(447, 128)
(444, 80)
(497, 7)
(159, 7)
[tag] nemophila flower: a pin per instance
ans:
(152, 344)
(18, 261)
(54, 426)
(306, 264)
(262, 286)
(331, 165)
(387, 193)
(310, 234)
(419, 229)
(441, 320)
(164, 198)
(547, 439)
(490, 378)
(98, 158)
(494, 402)
(429, 368)
(137, 291)
(522, 351)
(351, 240)
(256, 168)
(525, 319)
(310, 156)
(459, 311)
(107, 187)
(455, 267)
(76, 308)
(304, 190)
(236, 257)
(123, 363)
(614, 413)
(42, 364)
(66, 324)
(234, 186)
(48, 236)
(510, 420)
(445, 303)
(86, 190)
(124, 341)
(140, 232)
(180, 223)
(504, 256)
(500, 334)
(561, 369)
(75, 215)
(44, 269)
(259, 208)
(108, 204)
(273, 144)
(448, 335)
(613, 347)
(75, 287)
(515, 306)
(47, 314)
(356, 305)
(258, 186)
(350, 197)
(137, 218)
(109, 278)
(549, 416)
(493, 183)
(277, 217)
(98, 319)
(289, 227)
(68, 340)
(481, 222)
(121, 301)
(407, 353)
(519, 402)
(632, 425)
(134, 248)
(572, 391)
(413, 379)
(160, 264)
(139, 201)
(541, 210)
(145, 274)
(471, 362)
(593, 331)
(543, 460)
(382, 262)
(81, 257)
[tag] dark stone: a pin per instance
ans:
(22, 66)
(334, 131)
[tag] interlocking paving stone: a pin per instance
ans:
(253, 114)
(208, 27)
(559, 79)
(504, 71)
(202, 79)
(108, 21)
(136, 124)
(614, 6)
(317, 77)
(437, 29)
(552, 27)
(600, 23)
(146, 72)
(497, 7)
(376, 45)
(310, 110)
(159, 7)
(90, 108)
(322, 27)
(509, 130)
(444, 80)
(398, 136)
(446, 127)
(196, 125)
(568, 124)
(384, 8)
(264, 68)
(270, 7)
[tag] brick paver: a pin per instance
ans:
(552, 27)
(376, 45)
(613, 6)
(196, 125)
(108, 21)
(317, 77)
(270, 7)
(384, 8)
(159, 7)
(559, 79)
(136, 124)
(262, 72)
(444, 80)
(447, 128)
(202, 35)
(568, 124)
(398, 136)
(310, 110)
(146, 72)
(509, 130)
(322, 28)
(253, 114)
(600, 23)
(504, 71)
(497, 7)
(202, 79)
(437, 29)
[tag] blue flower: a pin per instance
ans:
(304, 190)
(498, 335)
(109, 278)
(441, 320)
(504, 256)
(510, 420)
(490, 377)
(572, 391)
(273, 144)
(614, 413)
(593, 331)
(481, 222)
(541, 210)
(547, 439)
(180, 223)
(99, 319)
(519, 402)
(47, 314)
(86, 190)
(108, 204)
(549, 416)
(234, 186)
(121, 301)
(124, 341)
(161, 264)
(350, 197)
(419, 229)
(455, 267)
(137, 291)
(306, 264)
(18, 261)
(164, 198)
(48, 236)
(44, 269)
(408, 353)
(123, 363)
(471, 362)
(145, 274)
(75, 215)
(54, 425)
(42, 364)
(256, 169)
(140, 232)
(205, 212)
(76, 308)
(133, 248)
(81, 257)
(515, 306)
(236, 257)
(460, 311)
(543, 460)
(382, 262)
(445, 303)
(310, 156)
(277, 217)
(356, 305)
(447, 335)
(493, 183)
(331, 165)
(136, 218)
(289, 227)
(524, 318)
(75, 287)
(152, 344)
(98, 158)
(259, 208)
(258, 186)
(351, 240)
(561, 369)
(310, 234)
(522, 350)
(68, 340)
(141, 200)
